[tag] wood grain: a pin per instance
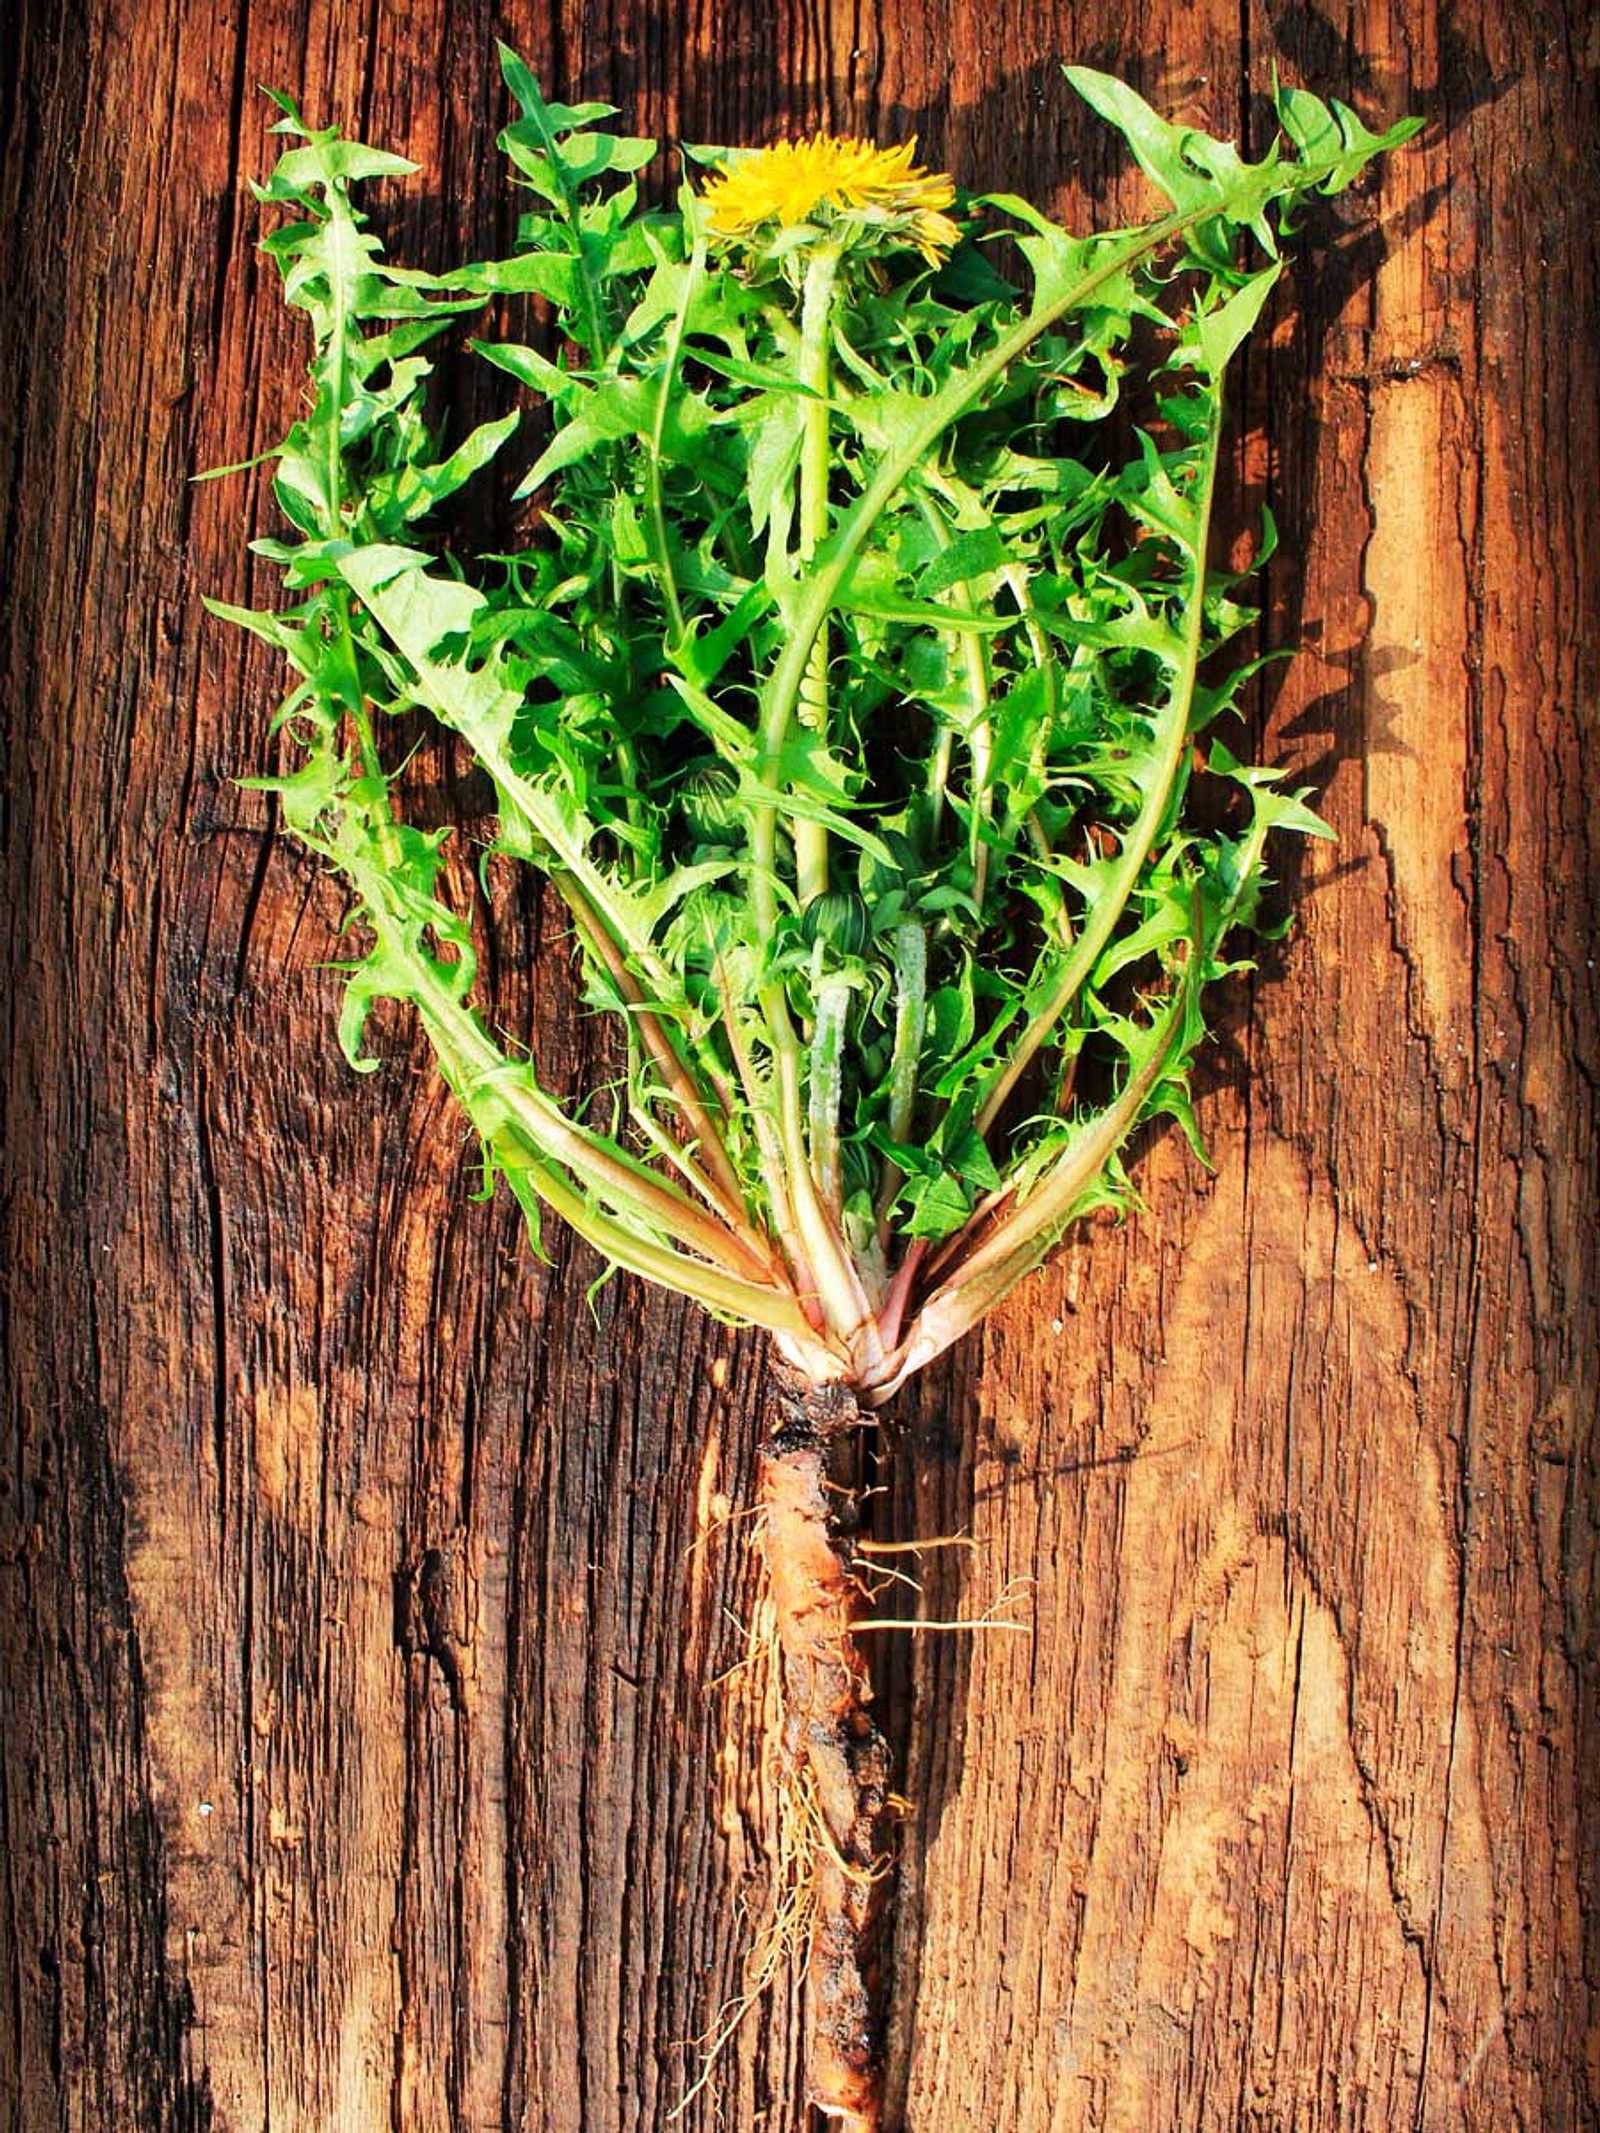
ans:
(373, 1599)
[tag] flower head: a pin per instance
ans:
(856, 195)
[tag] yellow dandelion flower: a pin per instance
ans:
(860, 194)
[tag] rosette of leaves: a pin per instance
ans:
(849, 690)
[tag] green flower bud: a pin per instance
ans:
(709, 798)
(841, 920)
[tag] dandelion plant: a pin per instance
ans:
(851, 683)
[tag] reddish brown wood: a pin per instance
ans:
(372, 1599)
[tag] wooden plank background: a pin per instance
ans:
(370, 1605)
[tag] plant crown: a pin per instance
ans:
(849, 689)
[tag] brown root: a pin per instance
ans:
(838, 1760)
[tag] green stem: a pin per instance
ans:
(938, 785)
(666, 573)
(816, 311)
(774, 1171)
(910, 1029)
(978, 732)
(827, 1088)
(844, 1302)
(592, 330)
(335, 376)
(385, 829)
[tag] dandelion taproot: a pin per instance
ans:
(859, 194)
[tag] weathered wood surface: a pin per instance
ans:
(368, 1598)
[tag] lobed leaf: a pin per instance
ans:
(843, 684)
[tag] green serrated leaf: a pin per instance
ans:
(849, 708)
(1159, 147)
(1221, 332)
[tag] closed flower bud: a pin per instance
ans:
(841, 920)
(709, 800)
